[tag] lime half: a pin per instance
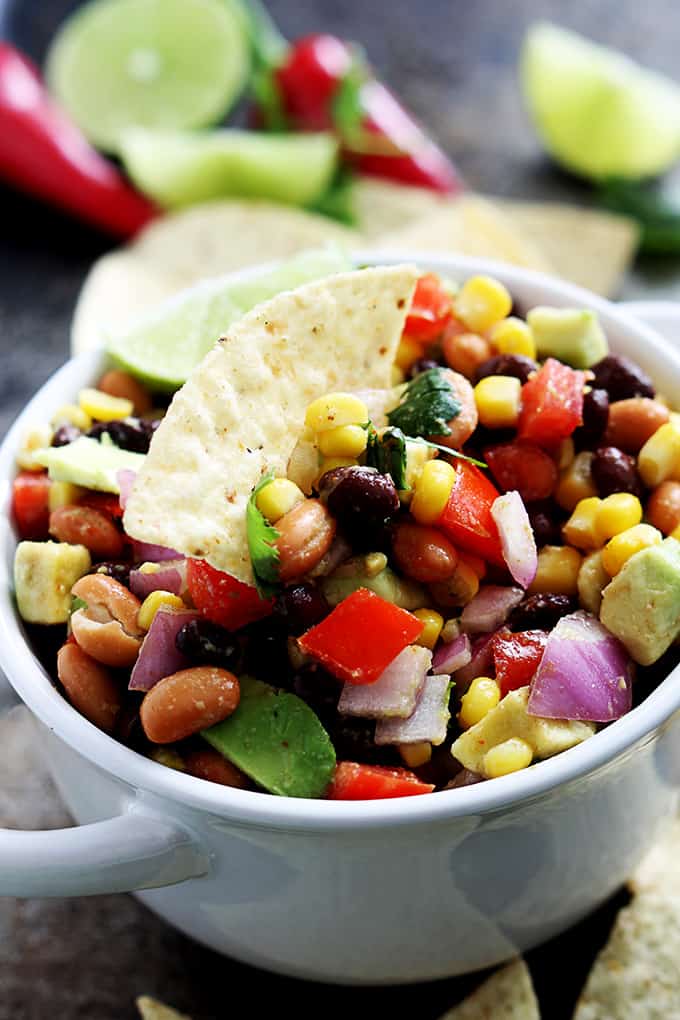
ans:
(597, 112)
(116, 64)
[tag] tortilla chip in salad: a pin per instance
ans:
(660, 870)
(507, 995)
(152, 1009)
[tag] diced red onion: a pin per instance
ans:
(126, 479)
(145, 552)
(585, 673)
(457, 653)
(480, 664)
(490, 608)
(172, 576)
(395, 691)
(428, 721)
(517, 537)
(159, 656)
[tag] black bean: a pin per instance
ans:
(133, 434)
(621, 378)
(320, 691)
(540, 612)
(423, 365)
(65, 434)
(516, 365)
(353, 740)
(360, 498)
(265, 651)
(203, 641)
(612, 470)
(300, 607)
(545, 525)
(595, 419)
(118, 571)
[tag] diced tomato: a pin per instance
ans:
(374, 782)
(552, 404)
(30, 505)
(516, 657)
(524, 467)
(360, 637)
(431, 309)
(222, 599)
(467, 516)
(106, 502)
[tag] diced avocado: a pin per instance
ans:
(90, 463)
(510, 718)
(641, 605)
(352, 576)
(573, 335)
(44, 573)
(276, 739)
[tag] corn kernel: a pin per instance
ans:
(513, 336)
(35, 439)
(576, 482)
(482, 695)
(482, 302)
(374, 564)
(334, 410)
(408, 352)
(675, 533)
(149, 568)
(659, 458)
(618, 512)
(63, 494)
(277, 498)
(71, 414)
(450, 630)
(565, 454)
(592, 580)
(459, 589)
(102, 406)
(557, 573)
(512, 755)
(582, 530)
(345, 441)
(432, 491)
(498, 399)
(434, 622)
(620, 548)
(153, 602)
(414, 755)
(166, 756)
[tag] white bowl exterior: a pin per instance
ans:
(398, 890)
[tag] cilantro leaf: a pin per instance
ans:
(262, 537)
(427, 406)
(450, 453)
(387, 453)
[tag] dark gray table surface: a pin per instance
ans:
(454, 62)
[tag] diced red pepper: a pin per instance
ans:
(552, 404)
(467, 516)
(353, 781)
(106, 502)
(360, 637)
(222, 599)
(524, 467)
(30, 505)
(431, 309)
(516, 657)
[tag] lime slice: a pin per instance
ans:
(597, 112)
(164, 346)
(115, 64)
(178, 169)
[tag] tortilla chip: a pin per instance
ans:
(660, 869)
(241, 412)
(381, 206)
(507, 995)
(152, 1009)
(635, 977)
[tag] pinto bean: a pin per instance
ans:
(305, 536)
(121, 384)
(465, 423)
(663, 508)
(423, 553)
(90, 688)
(212, 766)
(188, 701)
(107, 628)
(631, 422)
(465, 352)
(82, 525)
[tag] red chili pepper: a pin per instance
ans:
(353, 781)
(222, 599)
(552, 404)
(43, 152)
(517, 657)
(467, 516)
(30, 505)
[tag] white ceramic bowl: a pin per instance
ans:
(369, 892)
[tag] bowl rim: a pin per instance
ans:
(257, 809)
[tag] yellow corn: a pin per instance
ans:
(345, 441)
(620, 548)
(63, 494)
(414, 755)
(434, 622)
(71, 414)
(166, 756)
(558, 567)
(659, 458)
(35, 439)
(374, 563)
(277, 498)
(482, 695)
(149, 568)
(582, 530)
(565, 454)
(408, 352)
(482, 302)
(618, 512)
(334, 410)
(513, 336)
(432, 491)
(510, 756)
(576, 482)
(102, 406)
(675, 533)
(153, 602)
(498, 400)
(450, 630)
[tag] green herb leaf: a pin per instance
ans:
(262, 537)
(427, 406)
(387, 453)
(449, 452)
(76, 604)
(338, 201)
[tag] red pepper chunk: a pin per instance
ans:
(30, 505)
(353, 781)
(552, 404)
(517, 657)
(362, 635)
(467, 516)
(431, 309)
(222, 599)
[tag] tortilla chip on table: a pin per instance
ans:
(506, 995)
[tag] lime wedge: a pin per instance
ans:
(597, 112)
(164, 346)
(181, 168)
(115, 64)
